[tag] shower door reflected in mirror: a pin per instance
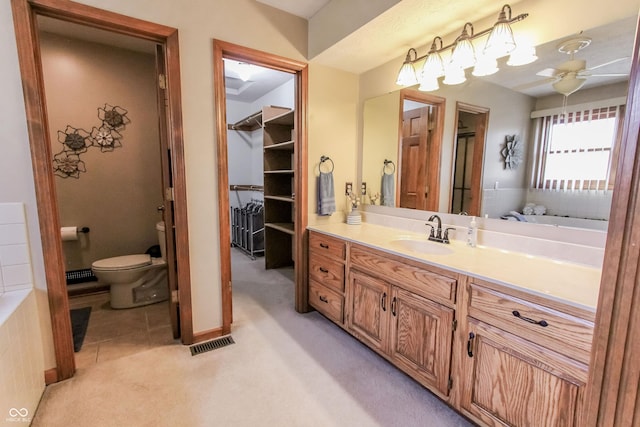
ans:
(468, 158)
(419, 150)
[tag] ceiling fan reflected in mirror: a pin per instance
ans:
(571, 75)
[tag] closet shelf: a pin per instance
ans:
(284, 171)
(285, 118)
(285, 227)
(249, 123)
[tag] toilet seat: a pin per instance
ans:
(126, 262)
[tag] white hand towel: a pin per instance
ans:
(326, 194)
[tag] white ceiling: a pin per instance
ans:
(302, 8)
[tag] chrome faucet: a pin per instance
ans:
(436, 235)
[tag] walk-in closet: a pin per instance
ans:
(261, 150)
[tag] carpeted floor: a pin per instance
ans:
(285, 369)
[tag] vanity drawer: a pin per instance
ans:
(553, 329)
(326, 271)
(326, 301)
(411, 278)
(326, 245)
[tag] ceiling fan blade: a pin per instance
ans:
(531, 85)
(607, 63)
(548, 72)
(607, 75)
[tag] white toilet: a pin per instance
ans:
(135, 280)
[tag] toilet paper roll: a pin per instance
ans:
(69, 233)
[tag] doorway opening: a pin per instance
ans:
(108, 177)
(468, 155)
(26, 15)
(271, 128)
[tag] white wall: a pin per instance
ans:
(16, 173)
(21, 348)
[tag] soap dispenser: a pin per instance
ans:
(472, 233)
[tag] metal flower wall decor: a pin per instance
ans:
(512, 152)
(76, 141)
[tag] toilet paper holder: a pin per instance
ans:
(84, 230)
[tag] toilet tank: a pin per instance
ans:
(161, 239)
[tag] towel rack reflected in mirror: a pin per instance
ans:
(326, 159)
(387, 163)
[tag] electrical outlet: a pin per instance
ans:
(363, 188)
(348, 188)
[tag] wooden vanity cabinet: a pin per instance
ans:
(515, 359)
(512, 371)
(391, 309)
(327, 276)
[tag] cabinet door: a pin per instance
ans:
(369, 300)
(421, 335)
(510, 381)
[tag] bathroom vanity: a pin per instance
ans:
(502, 337)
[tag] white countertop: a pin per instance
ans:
(569, 283)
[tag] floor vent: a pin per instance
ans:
(80, 276)
(211, 345)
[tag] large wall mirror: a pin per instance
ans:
(519, 170)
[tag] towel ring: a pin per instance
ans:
(384, 168)
(324, 159)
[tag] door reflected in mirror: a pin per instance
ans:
(468, 158)
(419, 150)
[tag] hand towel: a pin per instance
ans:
(387, 198)
(326, 194)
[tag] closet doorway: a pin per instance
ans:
(279, 116)
(468, 155)
(26, 14)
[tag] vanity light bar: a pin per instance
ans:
(463, 55)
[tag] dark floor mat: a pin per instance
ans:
(79, 323)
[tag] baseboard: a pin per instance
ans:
(50, 376)
(207, 335)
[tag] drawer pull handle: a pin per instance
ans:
(542, 323)
(324, 299)
(324, 270)
(383, 301)
(470, 344)
(324, 245)
(393, 306)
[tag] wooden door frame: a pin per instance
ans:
(478, 163)
(417, 96)
(613, 397)
(25, 13)
(222, 49)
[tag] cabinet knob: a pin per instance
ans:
(324, 299)
(324, 270)
(383, 301)
(324, 246)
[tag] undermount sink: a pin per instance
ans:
(422, 246)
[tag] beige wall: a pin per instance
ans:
(118, 195)
(333, 99)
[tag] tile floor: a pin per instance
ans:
(112, 334)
